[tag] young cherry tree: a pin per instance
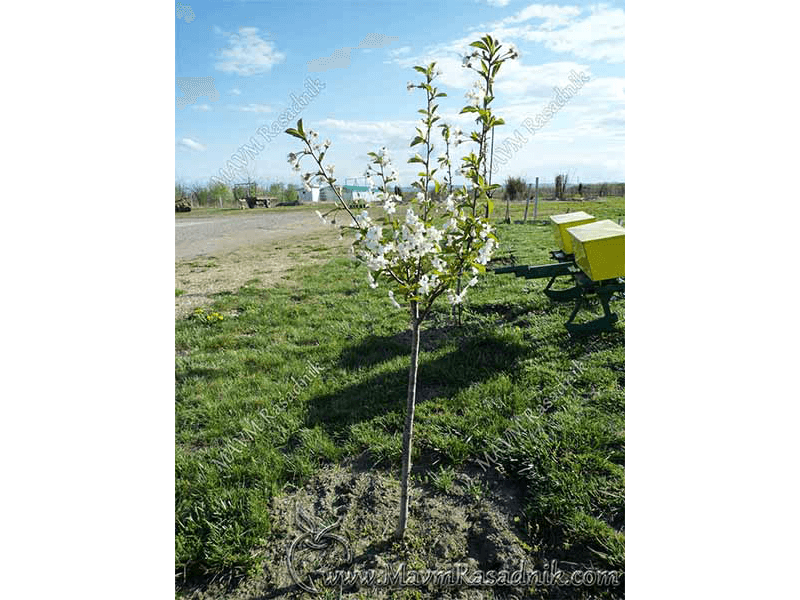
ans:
(418, 255)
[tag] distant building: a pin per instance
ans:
(326, 194)
(350, 193)
(311, 195)
(357, 194)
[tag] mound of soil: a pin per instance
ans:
(476, 523)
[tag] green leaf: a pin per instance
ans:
(300, 126)
(479, 266)
(417, 140)
(468, 109)
(420, 69)
(294, 132)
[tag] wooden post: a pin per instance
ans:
(527, 202)
(536, 201)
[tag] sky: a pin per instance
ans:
(360, 55)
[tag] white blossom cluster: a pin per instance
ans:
(423, 257)
(319, 148)
(382, 168)
(476, 93)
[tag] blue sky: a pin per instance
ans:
(258, 53)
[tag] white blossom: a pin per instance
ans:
(376, 263)
(485, 252)
(427, 283)
(394, 302)
(373, 238)
(476, 94)
(454, 298)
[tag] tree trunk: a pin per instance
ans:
(408, 432)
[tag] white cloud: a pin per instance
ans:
(597, 36)
(518, 80)
(248, 53)
(598, 103)
(203, 107)
(600, 36)
(235, 92)
(551, 14)
(376, 133)
(497, 2)
(403, 50)
(448, 57)
(192, 144)
(254, 108)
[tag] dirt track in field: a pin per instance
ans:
(219, 253)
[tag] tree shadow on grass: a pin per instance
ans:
(478, 354)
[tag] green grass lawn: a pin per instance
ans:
(509, 388)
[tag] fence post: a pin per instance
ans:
(527, 202)
(536, 201)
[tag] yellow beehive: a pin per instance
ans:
(599, 249)
(561, 223)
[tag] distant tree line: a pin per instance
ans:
(217, 194)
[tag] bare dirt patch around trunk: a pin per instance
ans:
(473, 526)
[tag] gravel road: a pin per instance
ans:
(217, 253)
(213, 235)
